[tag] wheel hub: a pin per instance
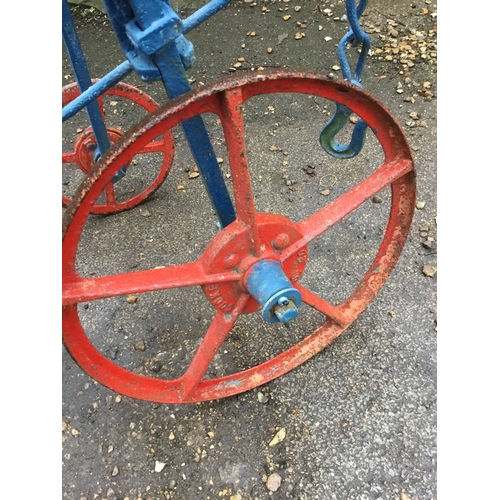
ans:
(231, 250)
(86, 145)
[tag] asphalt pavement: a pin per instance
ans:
(360, 416)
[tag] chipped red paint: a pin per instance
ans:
(82, 150)
(222, 268)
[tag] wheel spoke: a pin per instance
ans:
(324, 219)
(330, 311)
(110, 194)
(78, 289)
(215, 336)
(69, 157)
(231, 104)
(153, 147)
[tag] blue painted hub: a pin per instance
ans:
(268, 284)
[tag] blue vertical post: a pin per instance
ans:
(82, 76)
(157, 31)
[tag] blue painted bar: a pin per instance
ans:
(97, 89)
(203, 14)
(175, 80)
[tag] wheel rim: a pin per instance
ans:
(211, 271)
(82, 155)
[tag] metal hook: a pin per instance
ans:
(327, 136)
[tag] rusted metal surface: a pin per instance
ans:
(222, 270)
(85, 145)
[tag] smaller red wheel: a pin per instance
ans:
(117, 196)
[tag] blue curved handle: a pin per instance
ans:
(327, 136)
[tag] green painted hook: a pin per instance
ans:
(327, 136)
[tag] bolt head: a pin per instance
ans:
(231, 261)
(281, 241)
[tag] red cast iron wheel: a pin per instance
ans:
(85, 143)
(221, 269)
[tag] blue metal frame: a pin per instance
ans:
(152, 37)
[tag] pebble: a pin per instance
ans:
(116, 471)
(280, 435)
(132, 299)
(159, 466)
(420, 205)
(236, 497)
(140, 346)
(171, 484)
(377, 199)
(429, 271)
(273, 482)
(262, 398)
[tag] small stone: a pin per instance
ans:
(172, 484)
(269, 50)
(241, 59)
(420, 205)
(287, 17)
(140, 346)
(171, 436)
(328, 38)
(335, 67)
(236, 65)
(297, 8)
(110, 448)
(280, 435)
(235, 497)
(402, 496)
(392, 314)
(146, 213)
(325, 192)
(64, 426)
(118, 399)
(424, 227)
(262, 398)
(132, 299)
(273, 482)
(116, 471)
(156, 366)
(210, 434)
(298, 36)
(180, 187)
(159, 466)
(75, 432)
(110, 494)
(429, 271)
(429, 245)
(377, 199)
(193, 175)
(220, 160)
(399, 91)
